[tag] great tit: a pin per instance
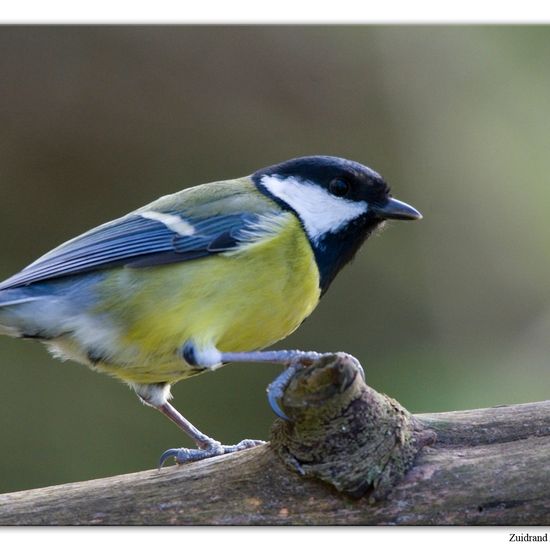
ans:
(206, 276)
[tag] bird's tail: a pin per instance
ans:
(13, 303)
(45, 310)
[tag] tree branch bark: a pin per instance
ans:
(347, 455)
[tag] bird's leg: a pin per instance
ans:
(201, 440)
(207, 447)
(292, 359)
(156, 395)
(212, 358)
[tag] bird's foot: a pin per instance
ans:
(276, 389)
(212, 448)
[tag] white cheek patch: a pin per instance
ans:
(319, 211)
(171, 221)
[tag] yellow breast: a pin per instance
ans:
(238, 301)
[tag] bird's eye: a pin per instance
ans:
(339, 187)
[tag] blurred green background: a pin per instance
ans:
(449, 313)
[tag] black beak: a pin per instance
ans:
(393, 209)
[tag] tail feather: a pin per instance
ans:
(12, 323)
(45, 310)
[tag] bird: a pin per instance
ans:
(204, 277)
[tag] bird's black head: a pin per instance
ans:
(339, 203)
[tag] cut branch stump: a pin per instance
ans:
(346, 455)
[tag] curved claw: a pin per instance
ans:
(273, 403)
(169, 453)
(183, 455)
(276, 389)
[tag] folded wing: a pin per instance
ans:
(141, 239)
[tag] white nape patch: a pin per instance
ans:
(154, 395)
(319, 211)
(171, 221)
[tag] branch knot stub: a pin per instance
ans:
(343, 432)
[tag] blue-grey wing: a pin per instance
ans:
(138, 240)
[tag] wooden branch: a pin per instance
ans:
(347, 455)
